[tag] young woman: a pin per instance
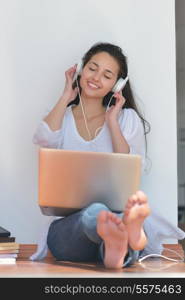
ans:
(90, 117)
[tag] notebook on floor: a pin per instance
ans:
(71, 180)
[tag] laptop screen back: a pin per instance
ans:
(72, 180)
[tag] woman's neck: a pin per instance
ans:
(92, 106)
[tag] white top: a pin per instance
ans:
(67, 137)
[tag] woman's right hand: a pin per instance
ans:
(69, 93)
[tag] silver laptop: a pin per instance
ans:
(72, 180)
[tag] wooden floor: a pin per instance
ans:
(155, 267)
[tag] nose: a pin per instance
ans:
(96, 76)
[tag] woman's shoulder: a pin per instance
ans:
(129, 113)
(130, 120)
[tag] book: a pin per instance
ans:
(4, 232)
(9, 251)
(6, 246)
(8, 255)
(9, 260)
(7, 239)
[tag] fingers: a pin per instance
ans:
(119, 99)
(70, 72)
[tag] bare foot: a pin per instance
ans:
(112, 230)
(136, 210)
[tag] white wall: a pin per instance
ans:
(39, 40)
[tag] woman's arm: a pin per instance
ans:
(119, 142)
(55, 117)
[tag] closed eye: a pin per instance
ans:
(92, 69)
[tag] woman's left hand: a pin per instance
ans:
(113, 112)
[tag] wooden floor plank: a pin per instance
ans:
(155, 267)
(26, 250)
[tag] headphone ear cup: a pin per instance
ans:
(119, 85)
(78, 70)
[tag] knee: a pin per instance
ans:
(90, 213)
(89, 221)
(94, 208)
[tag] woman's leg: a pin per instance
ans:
(118, 233)
(75, 238)
(90, 224)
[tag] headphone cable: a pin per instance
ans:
(182, 259)
(83, 112)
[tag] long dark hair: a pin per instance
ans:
(116, 52)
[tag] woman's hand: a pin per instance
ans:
(69, 93)
(113, 112)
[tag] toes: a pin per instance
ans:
(126, 211)
(128, 206)
(113, 217)
(102, 216)
(121, 227)
(142, 198)
(109, 214)
(118, 221)
(131, 201)
(105, 216)
(138, 198)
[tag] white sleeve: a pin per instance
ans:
(133, 131)
(45, 137)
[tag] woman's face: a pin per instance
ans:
(99, 75)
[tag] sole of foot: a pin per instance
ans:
(113, 232)
(136, 211)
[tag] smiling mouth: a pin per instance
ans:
(92, 85)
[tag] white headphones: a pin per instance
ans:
(119, 85)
